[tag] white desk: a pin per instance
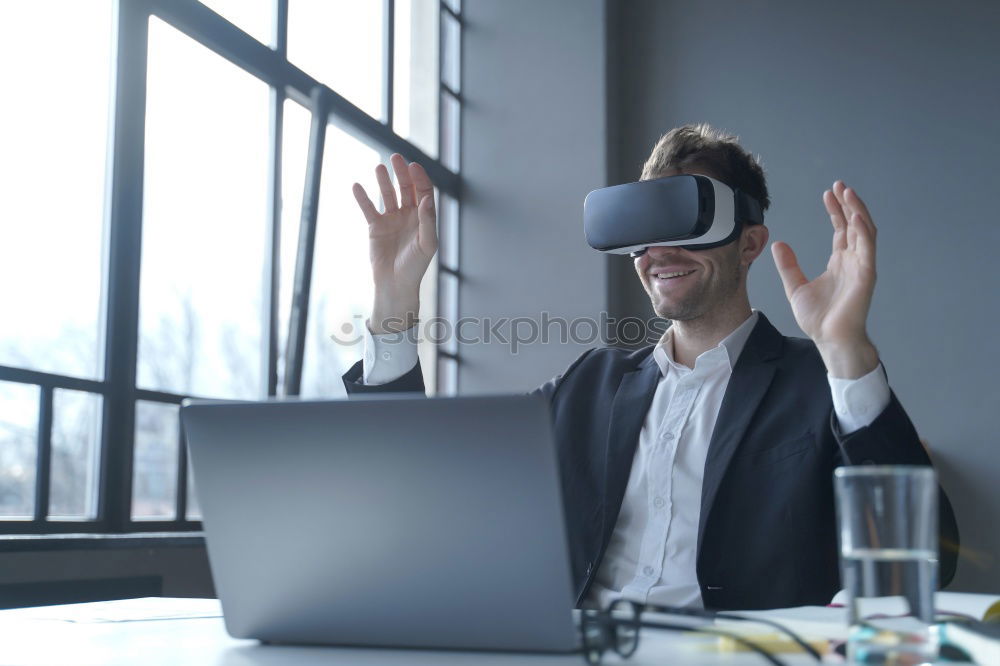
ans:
(113, 633)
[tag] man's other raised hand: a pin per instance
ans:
(401, 242)
(833, 308)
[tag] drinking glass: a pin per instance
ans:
(888, 519)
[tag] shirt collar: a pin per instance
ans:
(727, 351)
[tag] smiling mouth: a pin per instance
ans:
(672, 275)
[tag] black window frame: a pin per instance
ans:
(124, 216)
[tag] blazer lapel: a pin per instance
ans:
(749, 382)
(628, 411)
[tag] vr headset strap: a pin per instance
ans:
(747, 209)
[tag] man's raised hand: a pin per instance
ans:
(833, 308)
(401, 241)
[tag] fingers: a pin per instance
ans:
(791, 275)
(862, 240)
(855, 202)
(861, 209)
(421, 182)
(427, 230)
(427, 225)
(367, 207)
(406, 194)
(837, 219)
(386, 188)
(861, 230)
(852, 203)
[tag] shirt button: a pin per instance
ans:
(386, 355)
(658, 502)
(648, 571)
(668, 436)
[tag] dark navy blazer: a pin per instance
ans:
(767, 536)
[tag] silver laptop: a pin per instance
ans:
(385, 521)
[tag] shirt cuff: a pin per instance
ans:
(388, 356)
(858, 402)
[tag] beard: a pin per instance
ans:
(704, 296)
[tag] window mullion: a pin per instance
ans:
(388, 57)
(180, 513)
(124, 232)
(307, 244)
(43, 462)
(272, 259)
(280, 35)
(272, 270)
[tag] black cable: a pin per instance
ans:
(724, 615)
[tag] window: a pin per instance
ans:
(201, 283)
(158, 241)
(337, 262)
(52, 180)
(347, 54)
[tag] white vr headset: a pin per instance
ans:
(689, 211)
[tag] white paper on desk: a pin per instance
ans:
(810, 622)
(977, 606)
(831, 623)
(127, 610)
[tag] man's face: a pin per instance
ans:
(709, 281)
(686, 284)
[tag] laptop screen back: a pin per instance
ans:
(399, 521)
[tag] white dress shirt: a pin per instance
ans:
(652, 553)
(388, 356)
(651, 556)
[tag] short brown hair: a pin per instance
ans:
(720, 155)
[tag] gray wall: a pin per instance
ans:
(900, 100)
(184, 569)
(533, 145)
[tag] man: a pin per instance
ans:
(697, 471)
